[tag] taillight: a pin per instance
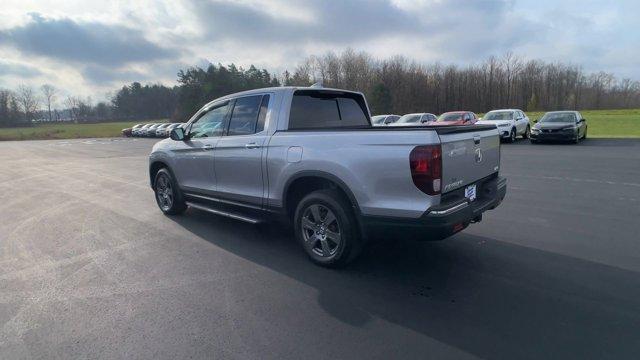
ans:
(426, 168)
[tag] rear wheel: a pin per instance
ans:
(327, 229)
(168, 195)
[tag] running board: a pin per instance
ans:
(223, 213)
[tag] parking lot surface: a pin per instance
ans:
(89, 267)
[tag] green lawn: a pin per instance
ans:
(68, 131)
(607, 123)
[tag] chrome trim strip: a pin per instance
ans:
(449, 210)
(223, 213)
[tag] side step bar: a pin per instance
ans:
(223, 213)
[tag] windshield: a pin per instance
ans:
(409, 118)
(378, 119)
(450, 117)
(498, 115)
(559, 118)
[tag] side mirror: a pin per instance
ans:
(535, 121)
(177, 134)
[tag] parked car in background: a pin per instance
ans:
(151, 130)
(510, 122)
(142, 131)
(160, 130)
(135, 129)
(560, 125)
(310, 156)
(171, 127)
(415, 119)
(382, 120)
(128, 132)
(456, 118)
(165, 131)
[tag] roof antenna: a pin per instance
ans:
(317, 84)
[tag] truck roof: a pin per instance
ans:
(282, 89)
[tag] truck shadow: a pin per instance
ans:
(486, 297)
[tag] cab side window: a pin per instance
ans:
(248, 116)
(210, 123)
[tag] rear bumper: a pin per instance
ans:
(442, 221)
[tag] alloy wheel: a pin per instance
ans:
(321, 231)
(164, 192)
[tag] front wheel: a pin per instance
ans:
(168, 195)
(584, 136)
(512, 136)
(327, 229)
(527, 132)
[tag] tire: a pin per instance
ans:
(326, 228)
(577, 139)
(584, 136)
(167, 193)
(527, 131)
(512, 136)
(533, 141)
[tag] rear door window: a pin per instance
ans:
(313, 109)
(245, 115)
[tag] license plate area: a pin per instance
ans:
(470, 192)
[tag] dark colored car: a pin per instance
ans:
(560, 126)
(456, 118)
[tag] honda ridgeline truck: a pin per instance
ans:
(310, 156)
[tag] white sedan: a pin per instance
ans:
(510, 122)
(416, 119)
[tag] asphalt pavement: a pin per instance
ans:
(90, 268)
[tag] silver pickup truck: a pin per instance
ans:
(310, 156)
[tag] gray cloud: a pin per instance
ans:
(460, 27)
(82, 42)
(104, 75)
(335, 21)
(20, 70)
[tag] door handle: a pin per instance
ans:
(207, 147)
(252, 145)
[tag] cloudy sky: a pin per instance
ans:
(90, 47)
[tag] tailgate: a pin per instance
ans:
(469, 153)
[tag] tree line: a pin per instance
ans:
(394, 85)
(398, 85)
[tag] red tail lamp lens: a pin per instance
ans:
(426, 168)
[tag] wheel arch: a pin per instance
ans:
(315, 180)
(154, 167)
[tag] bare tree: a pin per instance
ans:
(72, 102)
(28, 101)
(49, 94)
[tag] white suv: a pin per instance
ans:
(510, 122)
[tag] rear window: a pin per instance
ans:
(313, 109)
